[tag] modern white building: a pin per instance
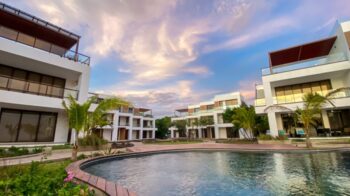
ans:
(40, 65)
(319, 66)
(127, 123)
(211, 110)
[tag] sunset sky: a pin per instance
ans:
(166, 54)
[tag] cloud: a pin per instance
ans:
(247, 89)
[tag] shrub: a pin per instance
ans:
(14, 151)
(92, 140)
(81, 156)
(237, 141)
(281, 137)
(58, 147)
(265, 137)
(39, 179)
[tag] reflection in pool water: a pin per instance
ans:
(231, 173)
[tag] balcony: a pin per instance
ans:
(34, 42)
(328, 59)
(260, 102)
(18, 85)
(298, 98)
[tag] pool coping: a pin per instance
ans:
(115, 189)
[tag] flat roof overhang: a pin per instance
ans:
(144, 109)
(182, 110)
(302, 52)
(38, 28)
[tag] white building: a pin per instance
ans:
(127, 123)
(319, 66)
(38, 70)
(210, 109)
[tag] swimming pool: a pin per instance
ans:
(230, 173)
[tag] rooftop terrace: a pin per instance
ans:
(24, 28)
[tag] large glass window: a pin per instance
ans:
(27, 126)
(30, 82)
(295, 93)
(9, 121)
(46, 127)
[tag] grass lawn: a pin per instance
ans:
(39, 179)
(174, 142)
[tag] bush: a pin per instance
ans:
(14, 151)
(265, 137)
(237, 141)
(269, 137)
(92, 140)
(59, 147)
(38, 179)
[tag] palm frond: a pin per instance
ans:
(277, 108)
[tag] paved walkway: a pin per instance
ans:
(245, 147)
(55, 155)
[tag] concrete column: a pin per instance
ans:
(273, 123)
(154, 128)
(130, 128)
(83, 84)
(115, 127)
(325, 119)
(216, 128)
(199, 132)
(141, 128)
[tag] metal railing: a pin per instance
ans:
(332, 58)
(23, 86)
(37, 20)
(42, 45)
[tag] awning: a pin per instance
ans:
(182, 110)
(23, 22)
(302, 52)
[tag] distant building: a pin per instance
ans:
(212, 110)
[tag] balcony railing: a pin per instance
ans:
(42, 45)
(29, 87)
(298, 99)
(333, 58)
(260, 102)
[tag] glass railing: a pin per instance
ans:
(332, 58)
(299, 98)
(260, 102)
(341, 94)
(23, 86)
(42, 45)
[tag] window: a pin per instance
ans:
(27, 126)
(30, 82)
(295, 93)
(9, 121)
(231, 102)
(260, 94)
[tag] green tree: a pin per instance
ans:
(81, 120)
(181, 127)
(163, 125)
(245, 118)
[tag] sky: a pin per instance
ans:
(166, 54)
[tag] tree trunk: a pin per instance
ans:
(75, 147)
(308, 141)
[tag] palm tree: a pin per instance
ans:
(244, 117)
(80, 119)
(312, 107)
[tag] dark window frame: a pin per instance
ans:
(27, 81)
(38, 123)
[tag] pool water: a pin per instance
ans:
(230, 173)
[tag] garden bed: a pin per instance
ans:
(39, 179)
(237, 141)
(174, 141)
(274, 141)
(16, 152)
